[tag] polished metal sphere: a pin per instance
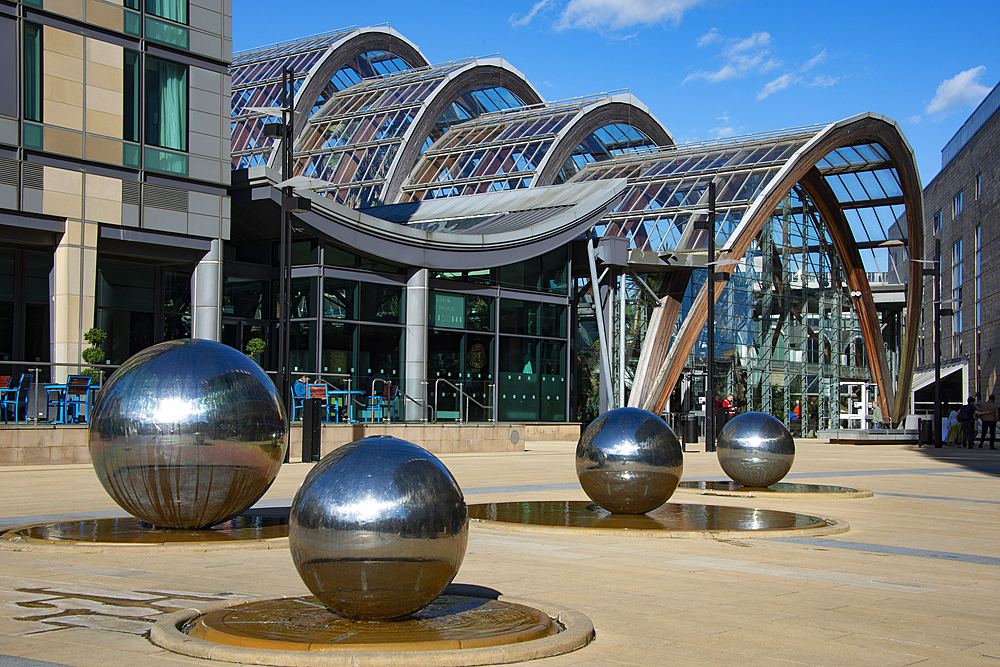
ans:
(378, 529)
(187, 434)
(755, 449)
(629, 461)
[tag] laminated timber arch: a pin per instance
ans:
(363, 41)
(623, 109)
(801, 168)
(486, 73)
(336, 58)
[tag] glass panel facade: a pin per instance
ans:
(138, 306)
(24, 308)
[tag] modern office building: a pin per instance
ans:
(455, 240)
(962, 217)
(114, 164)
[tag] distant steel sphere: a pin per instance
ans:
(755, 449)
(187, 434)
(629, 461)
(378, 529)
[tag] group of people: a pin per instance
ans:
(960, 426)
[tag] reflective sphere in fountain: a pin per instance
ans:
(378, 529)
(629, 461)
(755, 449)
(187, 434)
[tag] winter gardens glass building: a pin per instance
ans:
(460, 227)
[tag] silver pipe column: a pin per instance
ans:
(415, 372)
(206, 292)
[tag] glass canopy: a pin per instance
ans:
(503, 151)
(670, 187)
(256, 82)
(353, 140)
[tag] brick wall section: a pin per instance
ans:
(981, 156)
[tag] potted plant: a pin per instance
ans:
(255, 347)
(93, 355)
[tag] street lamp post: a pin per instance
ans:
(285, 132)
(709, 225)
(939, 312)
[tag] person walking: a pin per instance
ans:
(968, 417)
(988, 413)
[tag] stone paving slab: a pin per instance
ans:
(915, 581)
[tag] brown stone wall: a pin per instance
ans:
(980, 157)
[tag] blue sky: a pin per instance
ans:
(705, 68)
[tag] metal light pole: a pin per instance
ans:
(709, 225)
(939, 312)
(710, 389)
(286, 133)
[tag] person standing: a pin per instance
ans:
(968, 417)
(988, 413)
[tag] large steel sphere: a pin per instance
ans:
(755, 449)
(629, 461)
(187, 434)
(378, 529)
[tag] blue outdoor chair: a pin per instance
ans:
(16, 400)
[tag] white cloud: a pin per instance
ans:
(526, 19)
(815, 60)
(751, 55)
(720, 132)
(782, 82)
(824, 81)
(961, 90)
(710, 37)
(617, 14)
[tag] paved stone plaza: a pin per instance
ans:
(915, 581)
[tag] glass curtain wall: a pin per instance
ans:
(24, 309)
(138, 306)
(461, 354)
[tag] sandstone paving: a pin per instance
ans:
(653, 601)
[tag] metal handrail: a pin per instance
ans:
(460, 388)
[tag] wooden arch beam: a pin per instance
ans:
(861, 129)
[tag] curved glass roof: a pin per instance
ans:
(256, 82)
(669, 188)
(354, 139)
(502, 151)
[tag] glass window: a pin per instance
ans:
(302, 347)
(379, 355)
(126, 286)
(305, 253)
(382, 303)
(172, 10)
(979, 186)
(130, 111)
(956, 295)
(245, 298)
(338, 348)
(176, 304)
(479, 313)
(166, 104)
(303, 300)
(957, 204)
(32, 74)
(937, 222)
(338, 299)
